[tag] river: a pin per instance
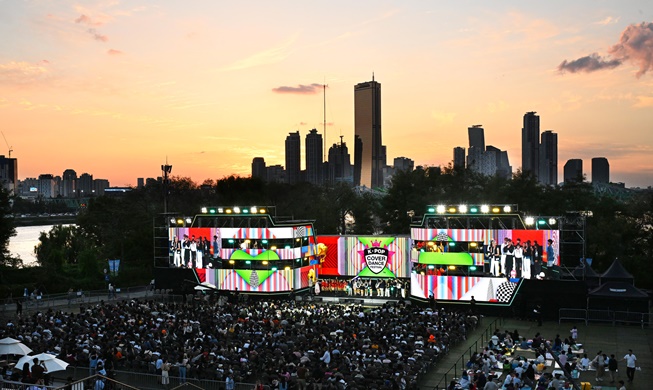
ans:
(23, 243)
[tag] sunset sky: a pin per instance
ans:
(114, 88)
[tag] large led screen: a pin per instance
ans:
(467, 247)
(463, 288)
(366, 256)
(256, 281)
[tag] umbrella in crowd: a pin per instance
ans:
(9, 346)
(52, 364)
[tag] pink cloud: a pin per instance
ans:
(114, 52)
(635, 46)
(300, 89)
(97, 36)
(21, 72)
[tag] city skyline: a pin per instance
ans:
(116, 88)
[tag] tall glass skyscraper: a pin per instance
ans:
(369, 159)
(530, 144)
(293, 158)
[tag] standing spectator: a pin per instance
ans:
(612, 368)
(19, 308)
(229, 382)
(574, 334)
(599, 363)
(165, 373)
(631, 363)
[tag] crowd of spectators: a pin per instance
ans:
(278, 343)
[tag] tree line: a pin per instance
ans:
(123, 227)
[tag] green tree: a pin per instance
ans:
(7, 230)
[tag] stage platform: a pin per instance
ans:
(349, 300)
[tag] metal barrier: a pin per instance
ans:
(459, 366)
(614, 317)
(44, 302)
(572, 314)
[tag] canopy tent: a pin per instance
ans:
(618, 296)
(617, 273)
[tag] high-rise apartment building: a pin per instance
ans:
(293, 158)
(314, 157)
(530, 144)
(9, 174)
(548, 166)
(258, 168)
(503, 168)
(340, 169)
(476, 135)
(85, 185)
(573, 171)
(369, 158)
(69, 183)
(403, 164)
(459, 157)
(600, 170)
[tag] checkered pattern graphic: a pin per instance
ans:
(505, 290)
(300, 232)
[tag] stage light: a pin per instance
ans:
(220, 210)
(189, 220)
(485, 209)
(273, 248)
(287, 247)
(452, 244)
(173, 221)
(229, 211)
(440, 209)
(247, 241)
(472, 268)
(274, 268)
(253, 210)
(496, 209)
(473, 210)
(431, 210)
(507, 209)
(264, 241)
(245, 211)
(287, 268)
(552, 221)
(237, 210)
(529, 221)
(204, 210)
(452, 210)
(452, 267)
(265, 262)
(180, 221)
(422, 272)
(473, 244)
(231, 241)
(248, 262)
(261, 211)
(298, 260)
(232, 262)
(430, 243)
(462, 208)
(431, 266)
(211, 211)
(541, 222)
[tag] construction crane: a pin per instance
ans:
(8, 147)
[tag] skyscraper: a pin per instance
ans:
(573, 171)
(9, 174)
(503, 168)
(459, 157)
(314, 155)
(476, 137)
(293, 158)
(69, 183)
(600, 170)
(369, 158)
(259, 169)
(340, 163)
(530, 144)
(548, 169)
